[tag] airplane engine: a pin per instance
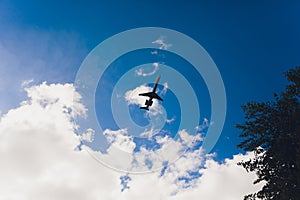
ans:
(149, 103)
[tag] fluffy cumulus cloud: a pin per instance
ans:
(37, 142)
(39, 159)
(132, 96)
(120, 139)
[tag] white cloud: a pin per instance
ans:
(165, 89)
(155, 64)
(141, 71)
(222, 181)
(36, 149)
(205, 124)
(38, 160)
(132, 96)
(149, 133)
(217, 181)
(120, 139)
(88, 136)
(56, 95)
(154, 52)
(162, 44)
(169, 121)
(189, 140)
(26, 83)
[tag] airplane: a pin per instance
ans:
(151, 95)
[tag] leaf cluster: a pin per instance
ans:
(272, 131)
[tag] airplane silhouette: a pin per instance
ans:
(151, 95)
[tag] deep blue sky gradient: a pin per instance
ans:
(251, 42)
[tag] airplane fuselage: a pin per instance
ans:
(152, 95)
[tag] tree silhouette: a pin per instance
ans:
(272, 131)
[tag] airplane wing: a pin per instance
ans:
(151, 95)
(157, 97)
(147, 94)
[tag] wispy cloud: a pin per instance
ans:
(169, 121)
(26, 83)
(205, 124)
(165, 88)
(155, 52)
(162, 44)
(141, 71)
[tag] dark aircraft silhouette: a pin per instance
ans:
(151, 95)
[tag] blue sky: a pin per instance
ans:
(251, 42)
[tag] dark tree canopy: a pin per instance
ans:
(272, 130)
